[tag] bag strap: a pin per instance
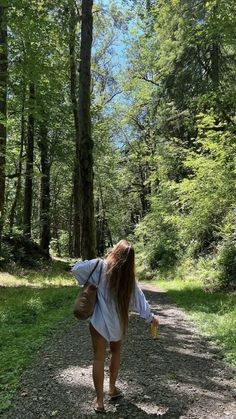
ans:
(91, 273)
(100, 273)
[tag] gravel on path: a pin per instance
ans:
(179, 375)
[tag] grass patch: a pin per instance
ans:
(214, 313)
(34, 306)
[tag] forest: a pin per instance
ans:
(148, 127)
(117, 121)
(155, 151)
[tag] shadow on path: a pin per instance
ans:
(176, 376)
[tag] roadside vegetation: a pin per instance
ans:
(34, 306)
(212, 310)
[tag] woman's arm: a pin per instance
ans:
(141, 305)
(82, 271)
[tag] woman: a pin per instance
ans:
(117, 292)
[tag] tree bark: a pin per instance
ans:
(215, 54)
(28, 192)
(88, 236)
(215, 63)
(3, 110)
(148, 5)
(145, 190)
(45, 217)
(106, 228)
(70, 227)
(100, 237)
(73, 89)
(19, 170)
(55, 217)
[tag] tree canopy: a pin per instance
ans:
(158, 112)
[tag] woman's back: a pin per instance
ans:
(117, 291)
(105, 318)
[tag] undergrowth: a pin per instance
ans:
(33, 306)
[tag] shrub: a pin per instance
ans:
(226, 261)
(162, 256)
(23, 251)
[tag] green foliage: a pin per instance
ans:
(59, 245)
(183, 118)
(206, 196)
(214, 313)
(27, 317)
(163, 126)
(226, 260)
(164, 157)
(17, 249)
(158, 234)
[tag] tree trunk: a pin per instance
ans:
(73, 90)
(148, 5)
(19, 171)
(145, 190)
(58, 246)
(215, 53)
(45, 218)
(215, 64)
(70, 228)
(106, 229)
(3, 110)
(88, 237)
(55, 217)
(28, 193)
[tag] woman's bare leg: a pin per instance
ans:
(99, 350)
(115, 348)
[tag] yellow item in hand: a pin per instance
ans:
(153, 330)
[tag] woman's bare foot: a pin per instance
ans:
(98, 406)
(115, 393)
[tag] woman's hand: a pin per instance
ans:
(155, 321)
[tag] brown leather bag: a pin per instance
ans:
(86, 300)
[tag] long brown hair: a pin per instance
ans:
(121, 279)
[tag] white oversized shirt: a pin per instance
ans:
(105, 318)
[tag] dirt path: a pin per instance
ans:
(177, 376)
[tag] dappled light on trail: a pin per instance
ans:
(178, 375)
(75, 376)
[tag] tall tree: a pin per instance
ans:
(88, 241)
(73, 19)
(18, 183)
(3, 109)
(28, 192)
(45, 219)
